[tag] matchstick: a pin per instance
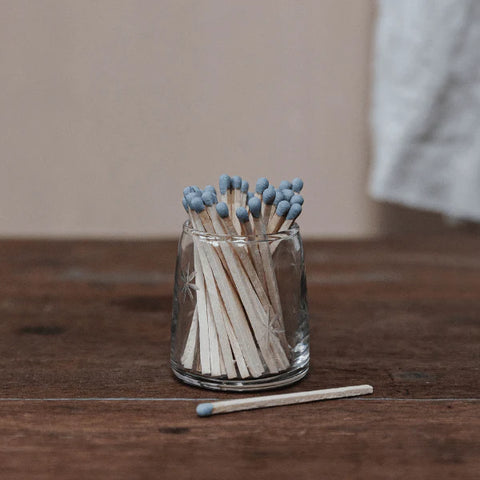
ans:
(279, 217)
(297, 185)
(242, 215)
(244, 191)
(204, 332)
(270, 279)
(269, 336)
(227, 406)
(278, 198)
(232, 302)
(218, 314)
(215, 366)
(236, 186)
(257, 313)
(268, 198)
(191, 343)
(292, 215)
(261, 186)
(224, 184)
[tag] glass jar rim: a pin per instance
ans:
(293, 231)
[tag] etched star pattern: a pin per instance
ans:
(187, 277)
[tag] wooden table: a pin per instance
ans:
(86, 388)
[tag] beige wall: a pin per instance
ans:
(109, 108)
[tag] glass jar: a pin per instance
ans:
(240, 314)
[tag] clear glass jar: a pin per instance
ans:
(240, 313)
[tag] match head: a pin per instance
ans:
(224, 183)
(283, 208)
(185, 204)
(187, 190)
(210, 188)
(287, 194)
(196, 189)
(204, 409)
(236, 182)
(294, 212)
(297, 185)
(262, 185)
(297, 199)
(244, 186)
(242, 214)
(255, 206)
(222, 209)
(269, 195)
(278, 197)
(197, 204)
(209, 198)
(285, 184)
(249, 196)
(190, 196)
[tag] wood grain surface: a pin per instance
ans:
(87, 392)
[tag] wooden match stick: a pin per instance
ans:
(227, 406)
(261, 186)
(256, 312)
(244, 190)
(269, 336)
(242, 215)
(224, 184)
(271, 281)
(292, 215)
(232, 302)
(278, 198)
(220, 315)
(237, 194)
(279, 217)
(191, 343)
(268, 198)
(297, 185)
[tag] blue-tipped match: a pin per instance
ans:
(185, 204)
(208, 198)
(244, 186)
(187, 190)
(282, 208)
(197, 204)
(242, 214)
(297, 199)
(269, 195)
(255, 206)
(204, 409)
(196, 189)
(278, 197)
(294, 212)
(190, 196)
(224, 183)
(236, 182)
(285, 184)
(249, 196)
(210, 188)
(287, 194)
(262, 185)
(297, 185)
(222, 209)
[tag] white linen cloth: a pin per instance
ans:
(426, 106)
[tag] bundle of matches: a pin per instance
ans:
(237, 328)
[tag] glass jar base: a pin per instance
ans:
(242, 385)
